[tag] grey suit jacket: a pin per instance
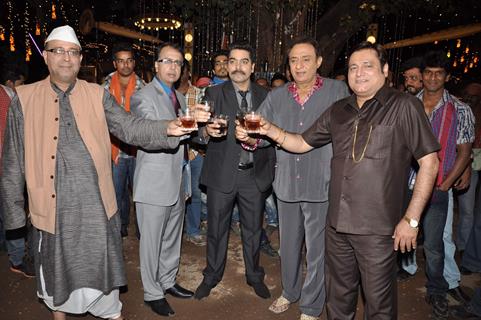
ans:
(158, 173)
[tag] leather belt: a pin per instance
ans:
(245, 166)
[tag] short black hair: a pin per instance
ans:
(279, 76)
(301, 40)
(11, 74)
(121, 46)
(169, 44)
(218, 54)
(243, 46)
(436, 59)
(415, 62)
(380, 51)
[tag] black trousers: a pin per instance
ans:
(219, 207)
(368, 261)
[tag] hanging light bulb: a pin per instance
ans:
(54, 14)
(448, 54)
(458, 43)
(462, 59)
(455, 64)
(12, 43)
(2, 33)
(37, 29)
(471, 65)
(466, 50)
(466, 69)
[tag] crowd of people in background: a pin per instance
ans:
(352, 174)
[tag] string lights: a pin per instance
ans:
(10, 18)
(26, 23)
(54, 13)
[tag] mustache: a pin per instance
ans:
(238, 71)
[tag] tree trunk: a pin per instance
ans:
(335, 27)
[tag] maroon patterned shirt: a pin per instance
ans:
(292, 88)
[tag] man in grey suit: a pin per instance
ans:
(158, 185)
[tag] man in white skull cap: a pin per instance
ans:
(57, 143)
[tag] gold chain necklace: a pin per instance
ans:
(354, 144)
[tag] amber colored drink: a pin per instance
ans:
(252, 122)
(188, 122)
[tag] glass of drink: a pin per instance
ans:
(209, 107)
(240, 117)
(187, 119)
(252, 122)
(223, 122)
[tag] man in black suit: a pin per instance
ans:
(235, 172)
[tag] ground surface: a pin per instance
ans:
(231, 299)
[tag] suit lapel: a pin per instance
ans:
(165, 104)
(255, 96)
(231, 100)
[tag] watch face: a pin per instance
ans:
(413, 223)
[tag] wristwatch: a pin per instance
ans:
(413, 223)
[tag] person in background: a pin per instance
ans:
(122, 84)
(452, 122)
(278, 80)
(469, 227)
(14, 240)
(413, 79)
(263, 83)
(219, 67)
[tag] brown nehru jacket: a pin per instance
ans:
(40, 109)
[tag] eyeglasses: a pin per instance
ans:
(410, 77)
(124, 61)
(62, 51)
(168, 61)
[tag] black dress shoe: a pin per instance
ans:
(464, 312)
(439, 305)
(261, 289)
(267, 249)
(179, 292)
(458, 295)
(161, 307)
(202, 291)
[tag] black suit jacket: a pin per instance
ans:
(222, 157)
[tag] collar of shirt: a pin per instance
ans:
(216, 81)
(382, 96)
(168, 90)
(444, 98)
(139, 83)
(59, 91)
(239, 97)
(292, 88)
